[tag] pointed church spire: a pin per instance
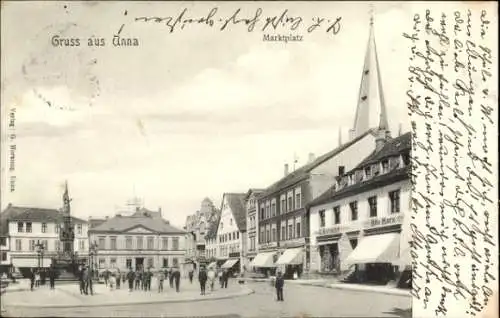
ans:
(371, 111)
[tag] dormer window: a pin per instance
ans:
(368, 172)
(376, 169)
(385, 166)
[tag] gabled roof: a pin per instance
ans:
(303, 172)
(236, 202)
(392, 147)
(256, 191)
(123, 223)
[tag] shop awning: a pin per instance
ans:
(292, 256)
(230, 263)
(383, 248)
(263, 260)
(31, 262)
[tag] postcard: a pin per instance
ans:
(249, 159)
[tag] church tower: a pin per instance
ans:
(67, 235)
(371, 110)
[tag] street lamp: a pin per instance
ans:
(40, 250)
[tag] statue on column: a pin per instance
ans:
(67, 235)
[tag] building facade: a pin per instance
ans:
(357, 223)
(141, 240)
(29, 226)
(251, 201)
(197, 227)
(231, 232)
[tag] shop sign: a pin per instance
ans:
(234, 254)
(293, 243)
(384, 221)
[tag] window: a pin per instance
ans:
(290, 203)
(290, 231)
(128, 242)
(368, 172)
(175, 243)
(44, 227)
(3, 241)
(322, 218)
(79, 229)
(165, 262)
(273, 209)
(4, 256)
(237, 235)
(20, 227)
(221, 225)
(175, 262)
(372, 202)
(385, 166)
(113, 243)
(297, 200)
(164, 242)
(102, 243)
(261, 236)
(273, 235)
(262, 213)
(19, 245)
(102, 263)
(394, 197)
(268, 236)
(283, 205)
(406, 159)
(140, 243)
(28, 227)
(56, 228)
(354, 210)
(151, 243)
(58, 245)
(297, 230)
(128, 263)
(150, 262)
(283, 232)
(336, 214)
(81, 245)
(230, 221)
(45, 244)
(32, 245)
(113, 262)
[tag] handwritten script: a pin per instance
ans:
(254, 20)
(454, 149)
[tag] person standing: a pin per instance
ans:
(32, 278)
(148, 278)
(81, 281)
(84, 281)
(52, 277)
(202, 277)
(225, 278)
(171, 277)
(130, 278)
(211, 278)
(118, 279)
(89, 284)
(190, 274)
(278, 284)
(161, 278)
(37, 278)
(137, 279)
(177, 278)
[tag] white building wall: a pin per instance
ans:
(346, 224)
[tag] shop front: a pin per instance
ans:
(291, 262)
(265, 263)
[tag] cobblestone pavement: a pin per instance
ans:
(300, 301)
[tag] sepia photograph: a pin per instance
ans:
(249, 159)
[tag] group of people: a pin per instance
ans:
(38, 277)
(210, 275)
(85, 277)
(141, 279)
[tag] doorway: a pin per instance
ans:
(139, 263)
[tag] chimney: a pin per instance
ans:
(341, 171)
(286, 169)
(312, 157)
(380, 139)
(159, 210)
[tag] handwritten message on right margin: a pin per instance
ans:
(452, 100)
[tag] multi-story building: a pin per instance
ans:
(283, 219)
(359, 220)
(197, 226)
(141, 240)
(231, 240)
(252, 232)
(28, 226)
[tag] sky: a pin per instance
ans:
(185, 115)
